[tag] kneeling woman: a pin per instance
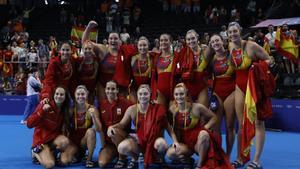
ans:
(192, 136)
(47, 121)
(82, 134)
(149, 120)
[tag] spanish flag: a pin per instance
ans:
(250, 112)
(7, 69)
(267, 46)
(286, 46)
(77, 32)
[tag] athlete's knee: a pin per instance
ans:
(160, 145)
(203, 137)
(91, 133)
(49, 164)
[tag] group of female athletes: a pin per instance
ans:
(140, 94)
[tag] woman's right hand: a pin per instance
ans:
(46, 107)
(45, 101)
(92, 24)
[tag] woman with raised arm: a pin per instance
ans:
(150, 120)
(114, 60)
(112, 110)
(48, 122)
(223, 87)
(192, 135)
(243, 54)
(82, 134)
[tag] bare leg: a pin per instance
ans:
(239, 106)
(106, 155)
(202, 146)
(129, 147)
(260, 140)
(230, 119)
(45, 157)
(89, 140)
(203, 97)
(219, 113)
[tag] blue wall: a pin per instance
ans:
(286, 113)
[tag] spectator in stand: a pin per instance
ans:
(251, 10)
(33, 88)
(207, 13)
(32, 58)
(126, 18)
(259, 37)
(196, 6)
(233, 13)
(20, 85)
(223, 15)
(52, 43)
(109, 23)
(136, 15)
(26, 16)
(43, 54)
(270, 36)
(124, 36)
(223, 32)
(214, 16)
(260, 16)
(5, 34)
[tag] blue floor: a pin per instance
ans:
(282, 149)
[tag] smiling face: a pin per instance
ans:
(59, 96)
(114, 40)
(216, 42)
(81, 95)
(164, 42)
(234, 33)
(111, 90)
(179, 95)
(143, 95)
(143, 46)
(191, 40)
(88, 50)
(66, 52)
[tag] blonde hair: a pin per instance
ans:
(192, 31)
(82, 87)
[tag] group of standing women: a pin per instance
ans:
(140, 94)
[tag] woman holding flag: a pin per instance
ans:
(243, 54)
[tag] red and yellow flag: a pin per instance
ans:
(77, 32)
(267, 46)
(250, 112)
(286, 46)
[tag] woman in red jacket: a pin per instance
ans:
(60, 72)
(47, 121)
(112, 110)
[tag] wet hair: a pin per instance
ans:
(234, 24)
(82, 87)
(112, 81)
(144, 38)
(169, 36)
(144, 86)
(181, 85)
(192, 31)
